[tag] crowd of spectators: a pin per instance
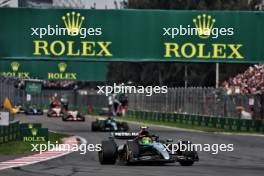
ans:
(59, 84)
(249, 82)
(66, 85)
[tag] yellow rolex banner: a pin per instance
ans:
(130, 35)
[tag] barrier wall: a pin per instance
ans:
(225, 124)
(9, 133)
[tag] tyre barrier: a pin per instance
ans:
(225, 124)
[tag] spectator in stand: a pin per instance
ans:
(116, 104)
(243, 114)
(251, 81)
(124, 103)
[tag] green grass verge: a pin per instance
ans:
(20, 147)
(184, 126)
(169, 124)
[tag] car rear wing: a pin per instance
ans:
(124, 135)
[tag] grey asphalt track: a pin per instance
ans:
(246, 160)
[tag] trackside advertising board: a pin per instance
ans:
(54, 70)
(33, 87)
(4, 118)
(33, 132)
(131, 35)
(30, 125)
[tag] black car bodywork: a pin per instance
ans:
(135, 152)
(33, 111)
(109, 124)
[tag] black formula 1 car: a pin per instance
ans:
(109, 124)
(33, 111)
(73, 116)
(143, 150)
(55, 112)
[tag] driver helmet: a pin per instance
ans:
(146, 140)
(109, 119)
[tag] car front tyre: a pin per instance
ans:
(186, 163)
(108, 154)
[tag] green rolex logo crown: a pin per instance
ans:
(62, 66)
(15, 66)
(73, 22)
(30, 125)
(34, 131)
(204, 25)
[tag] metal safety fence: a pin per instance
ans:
(201, 101)
(193, 100)
(9, 87)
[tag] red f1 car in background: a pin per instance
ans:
(73, 116)
(55, 112)
(60, 109)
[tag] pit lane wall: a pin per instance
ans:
(224, 124)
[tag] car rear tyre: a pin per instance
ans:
(82, 118)
(94, 126)
(186, 163)
(108, 154)
(49, 114)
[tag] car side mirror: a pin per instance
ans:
(169, 140)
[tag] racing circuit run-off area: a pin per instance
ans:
(131, 87)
